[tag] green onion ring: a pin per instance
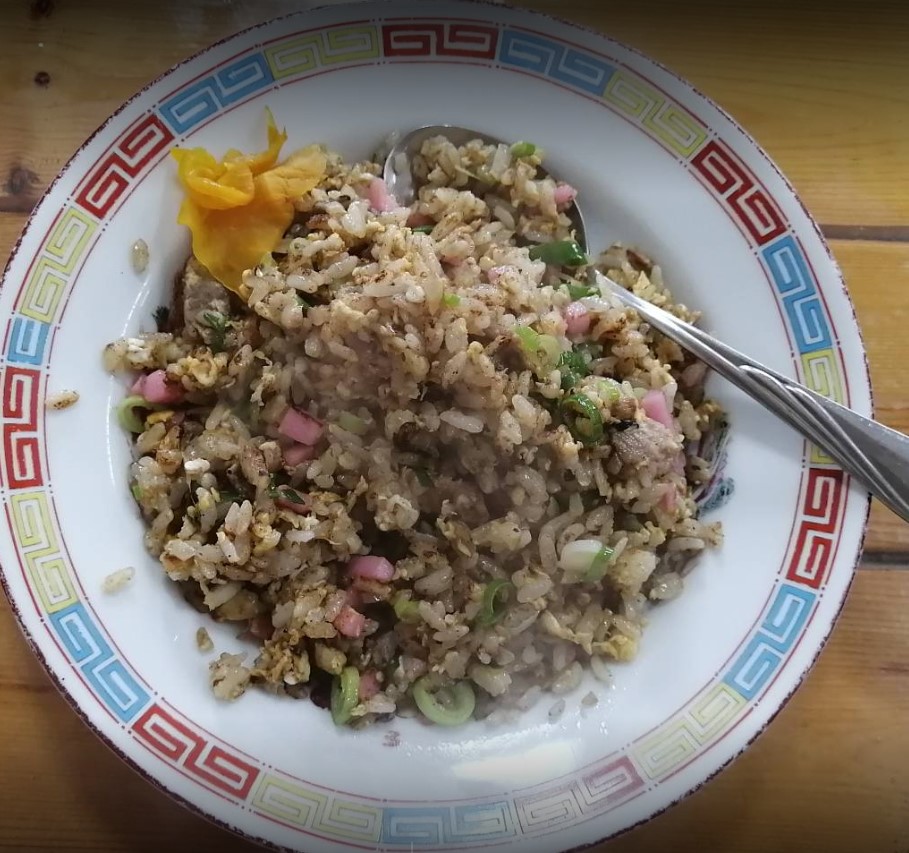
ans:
(344, 695)
(583, 419)
(448, 706)
(493, 595)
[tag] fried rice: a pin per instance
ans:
(424, 471)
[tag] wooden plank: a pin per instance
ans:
(824, 89)
(838, 128)
(876, 276)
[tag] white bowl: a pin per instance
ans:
(659, 166)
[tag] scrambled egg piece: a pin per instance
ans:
(238, 208)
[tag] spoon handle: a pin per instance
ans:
(877, 456)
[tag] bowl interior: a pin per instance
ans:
(714, 665)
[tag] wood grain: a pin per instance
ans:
(825, 89)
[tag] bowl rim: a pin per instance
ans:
(379, 10)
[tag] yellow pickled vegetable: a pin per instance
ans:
(239, 207)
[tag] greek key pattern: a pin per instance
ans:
(547, 810)
(56, 261)
(772, 642)
(46, 570)
(336, 46)
(288, 802)
(739, 192)
(135, 150)
(436, 825)
(443, 39)
(806, 316)
(821, 373)
(189, 751)
(665, 120)
(350, 820)
(106, 674)
(27, 341)
(609, 785)
(560, 62)
(703, 722)
(614, 782)
(219, 767)
(21, 389)
(815, 542)
(790, 274)
(205, 98)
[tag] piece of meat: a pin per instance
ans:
(648, 444)
(639, 261)
(201, 294)
(369, 685)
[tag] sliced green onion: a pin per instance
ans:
(577, 289)
(559, 253)
(451, 300)
(344, 694)
(137, 492)
(127, 413)
(424, 478)
(406, 609)
(608, 389)
(352, 423)
(494, 596)
(285, 494)
(542, 351)
(523, 149)
(448, 706)
(528, 337)
(423, 229)
(573, 368)
(302, 302)
(228, 496)
(580, 291)
(573, 360)
(569, 378)
(583, 419)
(282, 491)
(218, 324)
(600, 564)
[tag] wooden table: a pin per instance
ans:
(826, 91)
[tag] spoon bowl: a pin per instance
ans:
(398, 169)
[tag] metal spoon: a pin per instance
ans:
(398, 172)
(875, 455)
